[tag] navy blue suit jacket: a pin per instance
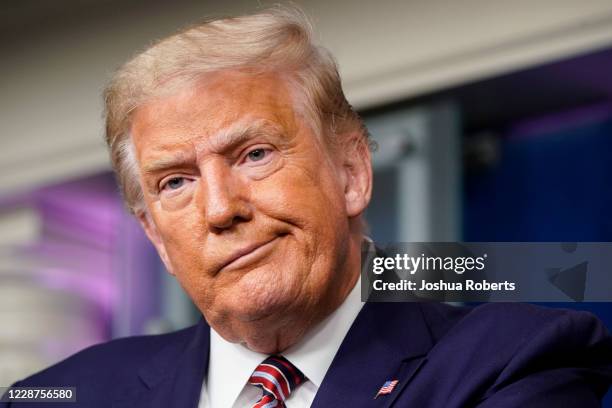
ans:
(494, 355)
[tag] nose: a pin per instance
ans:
(225, 197)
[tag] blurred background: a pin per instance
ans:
(493, 120)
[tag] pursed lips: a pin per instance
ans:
(247, 254)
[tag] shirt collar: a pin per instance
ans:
(314, 353)
(230, 367)
(231, 364)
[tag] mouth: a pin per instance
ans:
(248, 254)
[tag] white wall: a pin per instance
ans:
(50, 105)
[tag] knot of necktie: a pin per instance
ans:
(277, 378)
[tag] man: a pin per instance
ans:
(249, 171)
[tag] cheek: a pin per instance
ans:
(183, 237)
(309, 199)
(316, 211)
(179, 228)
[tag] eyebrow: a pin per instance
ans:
(167, 162)
(239, 132)
(226, 139)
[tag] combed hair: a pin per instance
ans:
(278, 39)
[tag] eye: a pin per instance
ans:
(258, 158)
(257, 154)
(174, 183)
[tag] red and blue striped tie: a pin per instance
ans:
(276, 377)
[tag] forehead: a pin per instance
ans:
(215, 102)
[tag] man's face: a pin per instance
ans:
(246, 206)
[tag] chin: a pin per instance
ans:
(260, 306)
(255, 325)
(263, 292)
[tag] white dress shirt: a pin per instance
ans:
(231, 365)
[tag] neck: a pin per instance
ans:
(281, 333)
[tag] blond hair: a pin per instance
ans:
(274, 40)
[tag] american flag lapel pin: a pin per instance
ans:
(387, 388)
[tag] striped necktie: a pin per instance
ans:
(276, 377)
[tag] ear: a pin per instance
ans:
(148, 225)
(357, 168)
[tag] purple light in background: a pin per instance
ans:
(559, 121)
(89, 248)
(94, 288)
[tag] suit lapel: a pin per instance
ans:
(387, 341)
(173, 377)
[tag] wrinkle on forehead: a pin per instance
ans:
(219, 109)
(235, 134)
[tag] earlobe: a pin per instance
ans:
(358, 176)
(148, 225)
